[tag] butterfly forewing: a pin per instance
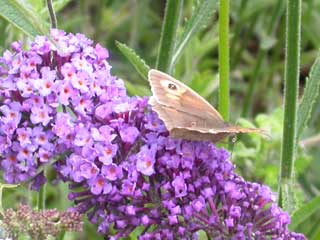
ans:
(171, 92)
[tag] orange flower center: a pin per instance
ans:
(108, 151)
(48, 85)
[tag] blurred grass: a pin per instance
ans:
(254, 35)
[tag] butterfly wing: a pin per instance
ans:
(185, 113)
(173, 93)
(190, 127)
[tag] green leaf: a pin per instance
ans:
(37, 5)
(310, 95)
(23, 17)
(202, 235)
(204, 83)
(137, 89)
(199, 19)
(272, 123)
(139, 64)
(315, 235)
(24, 237)
(304, 212)
(241, 151)
(136, 233)
(169, 35)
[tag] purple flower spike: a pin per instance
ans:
(44, 91)
(179, 186)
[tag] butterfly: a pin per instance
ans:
(186, 114)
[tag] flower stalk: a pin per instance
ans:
(291, 80)
(52, 14)
(41, 197)
(224, 60)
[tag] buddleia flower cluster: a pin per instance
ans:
(39, 224)
(38, 87)
(123, 168)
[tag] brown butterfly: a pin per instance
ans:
(185, 113)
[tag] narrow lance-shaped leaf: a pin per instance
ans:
(23, 17)
(199, 19)
(310, 95)
(169, 34)
(137, 89)
(139, 64)
(304, 212)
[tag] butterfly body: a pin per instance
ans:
(185, 113)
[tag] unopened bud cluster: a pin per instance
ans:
(39, 224)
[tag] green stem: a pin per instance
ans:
(262, 53)
(3, 186)
(224, 59)
(41, 197)
(1, 206)
(53, 18)
(61, 235)
(169, 35)
(291, 81)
